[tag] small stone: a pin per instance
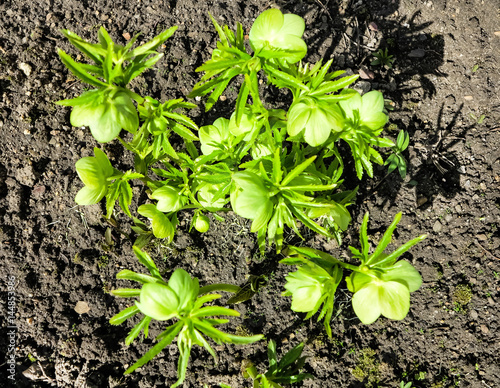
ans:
(481, 237)
(497, 33)
(223, 98)
(485, 329)
(82, 307)
(437, 227)
(25, 68)
(126, 36)
(468, 98)
(421, 200)
(362, 87)
(474, 314)
(458, 209)
(482, 186)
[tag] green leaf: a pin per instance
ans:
(123, 315)
(126, 292)
(78, 71)
(168, 337)
(137, 329)
(138, 277)
(386, 239)
(333, 86)
(153, 44)
(147, 261)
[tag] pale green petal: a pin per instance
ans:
(403, 271)
(89, 172)
(162, 227)
(293, 25)
(366, 304)
(318, 128)
(298, 117)
(263, 214)
(90, 196)
(265, 28)
(374, 120)
(168, 198)
(371, 102)
(105, 127)
(185, 288)
(394, 300)
(351, 104)
(127, 117)
(304, 299)
(158, 301)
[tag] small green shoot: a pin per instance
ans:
(396, 160)
(382, 58)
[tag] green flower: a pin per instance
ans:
(105, 112)
(214, 137)
(364, 112)
(169, 199)
(313, 119)
(94, 173)
(387, 294)
(250, 199)
(272, 31)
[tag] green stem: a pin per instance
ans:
(219, 287)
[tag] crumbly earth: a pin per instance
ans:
(444, 87)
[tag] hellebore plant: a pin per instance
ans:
(275, 167)
(279, 168)
(180, 299)
(381, 284)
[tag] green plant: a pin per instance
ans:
(275, 167)
(381, 284)
(284, 371)
(180, 299)
(108, 108)
(396, 160)
(382, 58)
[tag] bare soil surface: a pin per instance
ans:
(444, 84)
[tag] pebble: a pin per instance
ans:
(474, 314)
(468, 98)
(82, 307)
(437, 227)
(25, 68)
(362, 87)
(485, 329)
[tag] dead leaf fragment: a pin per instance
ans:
(82, 307)
(364, 73)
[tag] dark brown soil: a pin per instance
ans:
(444, 84)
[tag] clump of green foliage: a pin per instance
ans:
(275, 167)
(382, 58)
(279, 168)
